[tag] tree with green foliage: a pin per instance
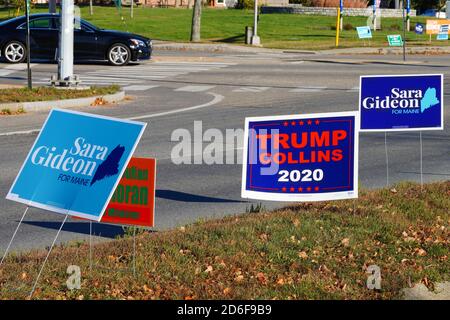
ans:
(423, 5)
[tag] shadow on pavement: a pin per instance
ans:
(188, 197)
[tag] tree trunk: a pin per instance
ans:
(196, 17)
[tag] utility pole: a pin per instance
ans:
(408, 11)
(374, 15)
(65, 52)
(256, 41)
(404, 31)
(196, 20)
(27, 14)
(338, 27)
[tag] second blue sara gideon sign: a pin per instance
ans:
(76, 163)
(310, 157)
(401, 102)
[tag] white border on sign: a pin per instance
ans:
(15, 197)
(405, 129)
(341, 195)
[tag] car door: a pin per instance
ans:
(85, 42)
(43, 38)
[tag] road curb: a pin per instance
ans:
(213, 48)
(388, 50)
(62, 104)
(229, 48)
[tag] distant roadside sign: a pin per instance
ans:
(443, 32)
(75, 163)
(433, 26)
(364, 32)
(308, 157)
(401, 102)
(419, 29)
(395, 40)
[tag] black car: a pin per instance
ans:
(90, 42)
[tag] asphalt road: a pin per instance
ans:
(219, 90)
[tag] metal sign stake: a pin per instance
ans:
(134, 251)
(387, 159)
(13, 236)
(28, 43)
(421, 161)
(90, 246)
(46, 258)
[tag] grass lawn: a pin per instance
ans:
(305, 251)
(287, 31)
(51, 93)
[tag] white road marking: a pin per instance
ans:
(150, 71)
(9, 69)
(251, 89)
(217, 98)
(194, 88)
(20, 132)
(308, 89)
(138, 88)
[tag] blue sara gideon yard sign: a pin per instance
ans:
(76, 163)
(401, 103)
(309, 157)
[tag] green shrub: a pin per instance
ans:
(245, 4)
(348, 27)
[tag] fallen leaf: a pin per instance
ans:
(239, 278)
(421, 252)
(209, 269)
(345, 242)
(303, 254)
(261, 278)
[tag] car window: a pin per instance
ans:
(88, 26)
(43, 23)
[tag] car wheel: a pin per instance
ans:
(119, 54)
(14, 52)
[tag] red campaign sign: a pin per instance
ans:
(133, 201)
